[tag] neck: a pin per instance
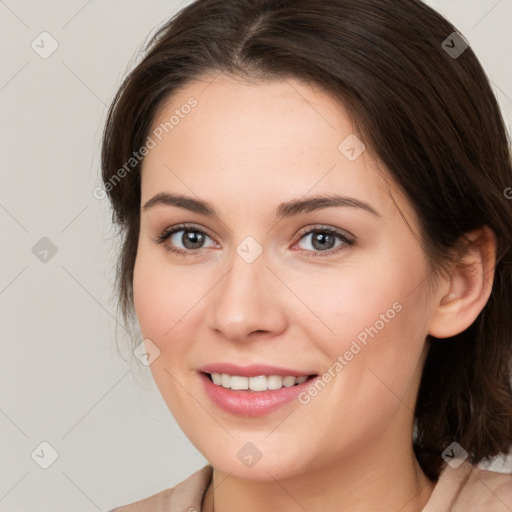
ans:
(380, 479)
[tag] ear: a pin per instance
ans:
(464, 292)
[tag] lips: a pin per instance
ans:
(252, 370)
(252, 390)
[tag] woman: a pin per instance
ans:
(316, 248)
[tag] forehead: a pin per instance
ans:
(258, 141)
(241, 114)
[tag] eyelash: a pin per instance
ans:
(167, 233)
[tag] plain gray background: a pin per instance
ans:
(61, 379)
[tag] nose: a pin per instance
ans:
(248, 302)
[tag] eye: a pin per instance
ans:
(190, 238)
(322, 240)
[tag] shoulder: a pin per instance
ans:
(487, 490)
(469, 488)
(186, 496)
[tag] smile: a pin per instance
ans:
(257, 383)
(254, 390)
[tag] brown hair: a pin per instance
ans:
(428, 114)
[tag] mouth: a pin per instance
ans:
(253, 390)
(257, 383)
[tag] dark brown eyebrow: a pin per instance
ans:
(286, 209)
(194, 205)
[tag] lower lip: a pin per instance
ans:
(252, 403)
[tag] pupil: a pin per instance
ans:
(192, 239)
(321, 241)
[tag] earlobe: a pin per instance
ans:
(467, 287)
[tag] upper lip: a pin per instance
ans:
(252, 370)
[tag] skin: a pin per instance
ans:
(245, 148)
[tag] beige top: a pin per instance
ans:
(464, 489)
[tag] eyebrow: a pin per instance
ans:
(286, 209)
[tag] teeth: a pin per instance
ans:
(238, 382)
(289, 381)
(259, 383)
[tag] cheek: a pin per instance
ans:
(164, 299)
(167, 303)
(374, 319)
(362, 301)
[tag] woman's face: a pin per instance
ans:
(263, 289)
